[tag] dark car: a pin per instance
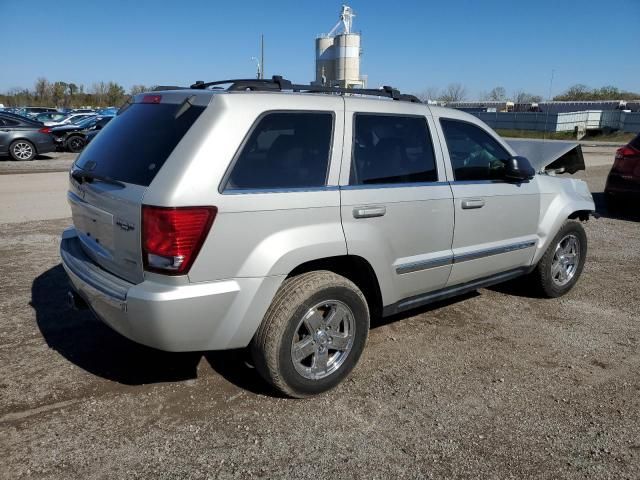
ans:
(623, 181)
(23, 138)
(73, 137)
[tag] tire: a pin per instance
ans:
(305, 304)
(75, 143)
(556, 274)
(22, 150)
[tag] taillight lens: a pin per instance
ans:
(172, 237)
(45, 130)
(626, 159)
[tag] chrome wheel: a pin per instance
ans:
(23, 150)
(323, 339)
(565, 260)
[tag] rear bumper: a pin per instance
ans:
(619, 185)
(191, 317)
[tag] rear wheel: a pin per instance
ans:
(312, 335)
(22, 150)
(561, 265)
(75, 143)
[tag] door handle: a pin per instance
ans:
(472, 203)
(369, 211)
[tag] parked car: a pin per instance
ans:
(53, 117)
(109, 111)
(22, 138)
(72, 118)
(74, 141)
(31, 112)
(61, 132)
(211, 219)
(84, 110)
(623, 182)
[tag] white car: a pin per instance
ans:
(73, 118)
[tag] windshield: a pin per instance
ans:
(135, 144)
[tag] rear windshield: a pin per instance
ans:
(635, 143)
(133, 147)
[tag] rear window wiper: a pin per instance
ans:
(86, 177)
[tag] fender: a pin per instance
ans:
(559, 198)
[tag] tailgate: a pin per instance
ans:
(107, 220)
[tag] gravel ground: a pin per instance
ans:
(494, 385)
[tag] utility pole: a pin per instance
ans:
(262, 55)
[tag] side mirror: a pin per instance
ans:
(518, 169)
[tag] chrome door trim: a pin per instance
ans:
(424, 264)
(452, 259)
(487, 252)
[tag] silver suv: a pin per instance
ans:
(208, 219)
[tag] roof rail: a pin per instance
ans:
(277, 83)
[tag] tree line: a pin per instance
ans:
(112, 94)
(456, 92)
(70, 95)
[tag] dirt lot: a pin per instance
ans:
(493, 385)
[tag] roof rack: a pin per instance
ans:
(277, 83)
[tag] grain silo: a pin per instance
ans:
(338, 54)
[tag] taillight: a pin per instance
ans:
(172, 237)
(45, 130)
(626, 158)
(152, 99)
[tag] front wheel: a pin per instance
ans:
(312, 335)
(561, 265)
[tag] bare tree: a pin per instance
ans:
(429, 93)
(455, 92)
(136, 89)
(41, 89)
(520, 96)
(497, 94)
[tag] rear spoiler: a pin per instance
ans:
(550, 154)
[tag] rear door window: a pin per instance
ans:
(284, 150)
(134, 145)
(391, 149)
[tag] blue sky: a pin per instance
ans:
(408, 44)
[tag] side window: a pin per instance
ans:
(285, 150)
(8, 123)
(391, 149)
(475, 155)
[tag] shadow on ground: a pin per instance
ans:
(93, 346)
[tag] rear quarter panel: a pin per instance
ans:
(255, 234)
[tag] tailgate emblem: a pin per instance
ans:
(124, 225)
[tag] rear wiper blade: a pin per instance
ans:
(86, 177)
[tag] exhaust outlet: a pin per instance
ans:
(75, 301)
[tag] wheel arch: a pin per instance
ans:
(14, 140)
(353, 267)
(558, 212)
